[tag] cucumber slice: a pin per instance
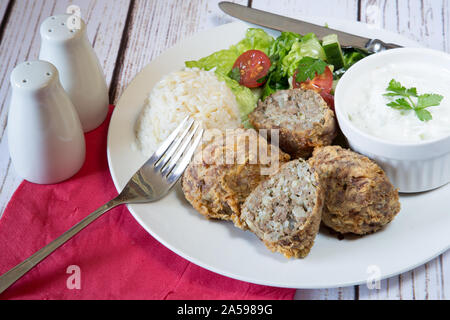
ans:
(333, 51)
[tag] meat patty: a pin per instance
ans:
(302, 117)
(225, 171)
(284, 211)
(359, 197)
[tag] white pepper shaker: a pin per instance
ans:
(80, 71)
(45, 137)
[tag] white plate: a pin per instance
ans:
(419, 233)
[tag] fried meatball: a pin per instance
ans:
(302, 117)
(225, 171)
(359, 197)
(284, 211)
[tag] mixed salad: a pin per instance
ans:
(260, 65)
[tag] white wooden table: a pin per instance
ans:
(128, 34)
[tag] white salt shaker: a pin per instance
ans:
(79, 69)
(45, 137)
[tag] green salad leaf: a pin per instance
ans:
(277, 79)
(245, 97)
(286, 55)
(222, 60)
(255, 39)
(282, 45)
(309, 46)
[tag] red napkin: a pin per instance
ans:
(113, 258)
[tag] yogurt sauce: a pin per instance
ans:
(368, 111)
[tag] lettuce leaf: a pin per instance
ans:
(223, 60)
(245, 97)
(309, 46)
(282, 45)
(255, 39)
(278, 51)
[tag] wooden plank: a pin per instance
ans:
(156, 26)
(446, 25)
(425, 21)
(428, 23)
(326, 294)
(340, 9)
(444, 264)
(3, 8)
(105, 22)
(343, 9)
(423, 283)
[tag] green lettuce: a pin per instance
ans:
(282, 45)
(279, 49)
(309, 46)
(255, 39)
(245, 97)
(223, 60)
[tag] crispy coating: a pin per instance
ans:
(302, 117)
(284, 211)
(225, 171)
(359, 197)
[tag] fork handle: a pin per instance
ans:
(10, 277)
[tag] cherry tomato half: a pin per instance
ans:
(253, 66)
(322, 84)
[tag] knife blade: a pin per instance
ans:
(281, 23)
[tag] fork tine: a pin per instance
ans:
(182, 165)
(164, 160)
(167, 143)
(173, 162)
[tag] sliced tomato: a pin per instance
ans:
(253, 66)
(322, 84)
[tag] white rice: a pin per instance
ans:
(192, 92)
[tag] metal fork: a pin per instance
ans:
(150, 183)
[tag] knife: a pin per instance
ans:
(281, 23)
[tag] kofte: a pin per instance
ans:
(302, 117)
(226, 170)
(284, 211)
(359, 198)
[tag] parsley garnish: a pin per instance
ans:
(263, 79)
(235, 74)
(409, 99)
(308, 68)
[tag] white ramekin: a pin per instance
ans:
(411, 167)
